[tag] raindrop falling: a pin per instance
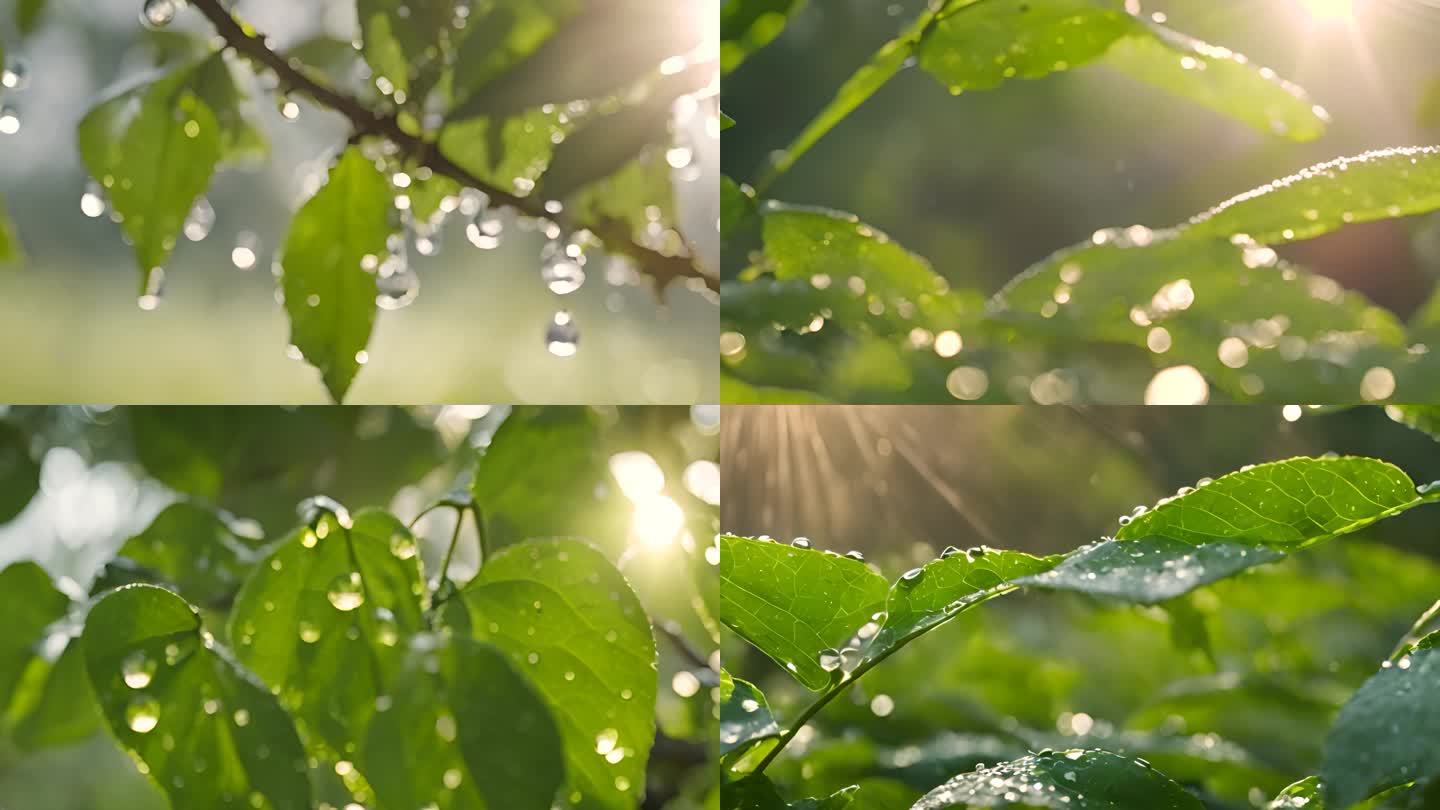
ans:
(246, 251)
(562, 336)
(200, 221)
(160, 13)
(346, 592)
(397, 290)
(485, 229)
(143, 714)
(15, 75)
(289, 110)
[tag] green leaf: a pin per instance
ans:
(324, 619)
(1380, 184)
(240, 136)
(521, 499)
(402, 39)
(60, 710)
(641, 188)
(501, 34)
(1288, 504)
(569, 620)
(745, 717)
(329, 295)
(747, 26)
(726, 122)
(11, 251)
(925, 597)
(758, 793)
(1388, 733)
(436, 737)
(28, 14)
(19, 474)
(176, 701)
(196, 549)
(30, 604)
(979, 45)
(737, 392)
(794, 603)
(1076, 779)
(154, 148)
(509, 153)
(1150, 570)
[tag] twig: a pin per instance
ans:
(1417, 631)
(681, 644)
(365, 121)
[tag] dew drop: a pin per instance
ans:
(200, 221)
(309, 633)
(15, 75)
(142, 715)
(159, 13)
(801, 542)
(396, 290)
(562, 336)
(150, 300)
(9, 120)
(138, 670)
(92, 202)
(345, 592)
(830, 659)
(912, 577)
(562, 274)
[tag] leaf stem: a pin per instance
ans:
(1415, 633)
(663, 268)
(865, 666)
(454, 541)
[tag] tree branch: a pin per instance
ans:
(365, 121)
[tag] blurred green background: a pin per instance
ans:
(105, 473)
(73, 332)
(987, 183)
(1290, 641)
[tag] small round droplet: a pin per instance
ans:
(149, 300)
(830, 660)
(9, 120)
(562, 336)
(143, 714)
(200, 221)
(562, 274)
(315, 507)
(92, 202)
(912, 577)
(346, 592)
(138, 670)
(801, 542)
(15, 75)
(159, 13)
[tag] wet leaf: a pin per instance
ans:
(59, 711)
(240, 135)
(795, 603)
(1149, 570)
(209, 734)
(30, 604)
(510, 153)
(747, 26)
(1075, 779)
(195, 548)
(522, 499)
(329, 295)
(925, 597)
(19, 474)
(1305, 793)
(325, 619)
(502, 34)
(571, 623)
(154, 148)
(745, 717)
(726, 122)
(1388, 733)
(436, 739)
(402, 39)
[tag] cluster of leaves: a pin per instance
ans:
(326, 666)
(1263, 673)
(526, 102)
(820, 305)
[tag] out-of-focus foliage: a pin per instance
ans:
(341, 657)
(1236, 304)
(1228, 641)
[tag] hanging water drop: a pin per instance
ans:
(562, 336)
(160, 13)
(485, 229)
(154, 290)
(396, 290)
(315, 507)
(289, 110)
(15, 75)
(142, 715)
(9, 120)
(200, 221)
(830, 660)
(562, 273)
(92, 202)
(246, 251)
(346, 592)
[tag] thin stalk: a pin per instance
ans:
(1416, 632)
(866, 666)
(454, 541)
(479, 515)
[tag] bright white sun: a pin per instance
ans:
(1329, 11)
